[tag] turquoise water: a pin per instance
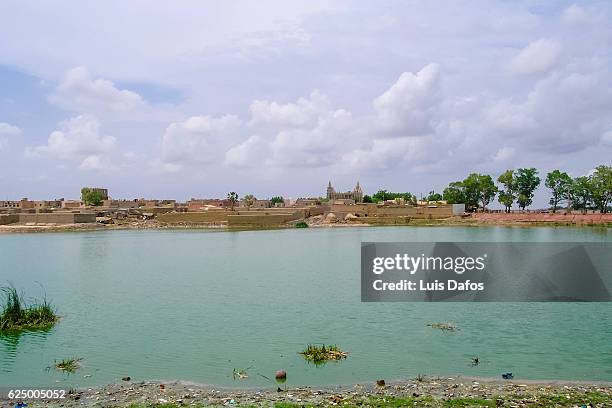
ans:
(194, 305)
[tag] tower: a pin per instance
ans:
(358, 193)
(330, 191)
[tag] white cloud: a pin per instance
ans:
(504, 154)
(406, 108)
(539, 56)
(79, 92)
(606, 138)
(575, 15)
(197, 140)
(299, 114)
(78, 139)
(246, 154)
(314, 147)
(9, 130)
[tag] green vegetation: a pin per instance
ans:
(277, 200)
(322, 354)
(233, 199)
(433, 196)
(301, 224)
(367, 199)
(249, 199)
(477, 190)
(443, 326)
(70, 365)
(91, 197)
(526, 181)
(383, 195)
(507, 194)
(469, 402)
(581, 193)
(18, 316)
(559, 184)
(542, 400)
(601, 188)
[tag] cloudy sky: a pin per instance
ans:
(195, 99)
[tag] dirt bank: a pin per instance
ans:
(438, 392)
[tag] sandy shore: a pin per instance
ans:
(428, 392)
(154, 225)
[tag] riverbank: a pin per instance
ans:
(422, 392)
(472, 220)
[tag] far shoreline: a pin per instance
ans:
(445, 222)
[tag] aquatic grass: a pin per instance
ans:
(301, 224)
(322, 354)
(70, 365)
(18, 316)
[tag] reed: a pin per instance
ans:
(17, 315)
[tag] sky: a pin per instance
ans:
(199, 98)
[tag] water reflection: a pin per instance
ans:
(9, 344)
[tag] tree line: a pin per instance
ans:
(518, 187)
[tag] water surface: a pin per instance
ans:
(194, 305)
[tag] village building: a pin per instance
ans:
(349, 197)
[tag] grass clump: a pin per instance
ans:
(301, 224)
(322, 354)
(70, 365)
(18, 316)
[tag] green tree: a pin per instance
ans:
(433, 196)
(526, 181)
(233, 199)
(580, 193)
(367, 199)
(601, 187)
(479, 188)
(277, 200)
(249, 199)
(559, 183)
(91, 197)
(380, 195)
(454, 194)
(507, 195)
(383, 195)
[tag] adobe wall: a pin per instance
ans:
(57, 218)
(243, 217)
(373, 210)
(262, 220)
(8, 219)
(202, 217)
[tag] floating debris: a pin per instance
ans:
(322, 354)
(240, 374)
(507, 376)
(443, 326)
(281, 376)
(475, 361)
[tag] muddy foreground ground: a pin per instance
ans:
(428, 392)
